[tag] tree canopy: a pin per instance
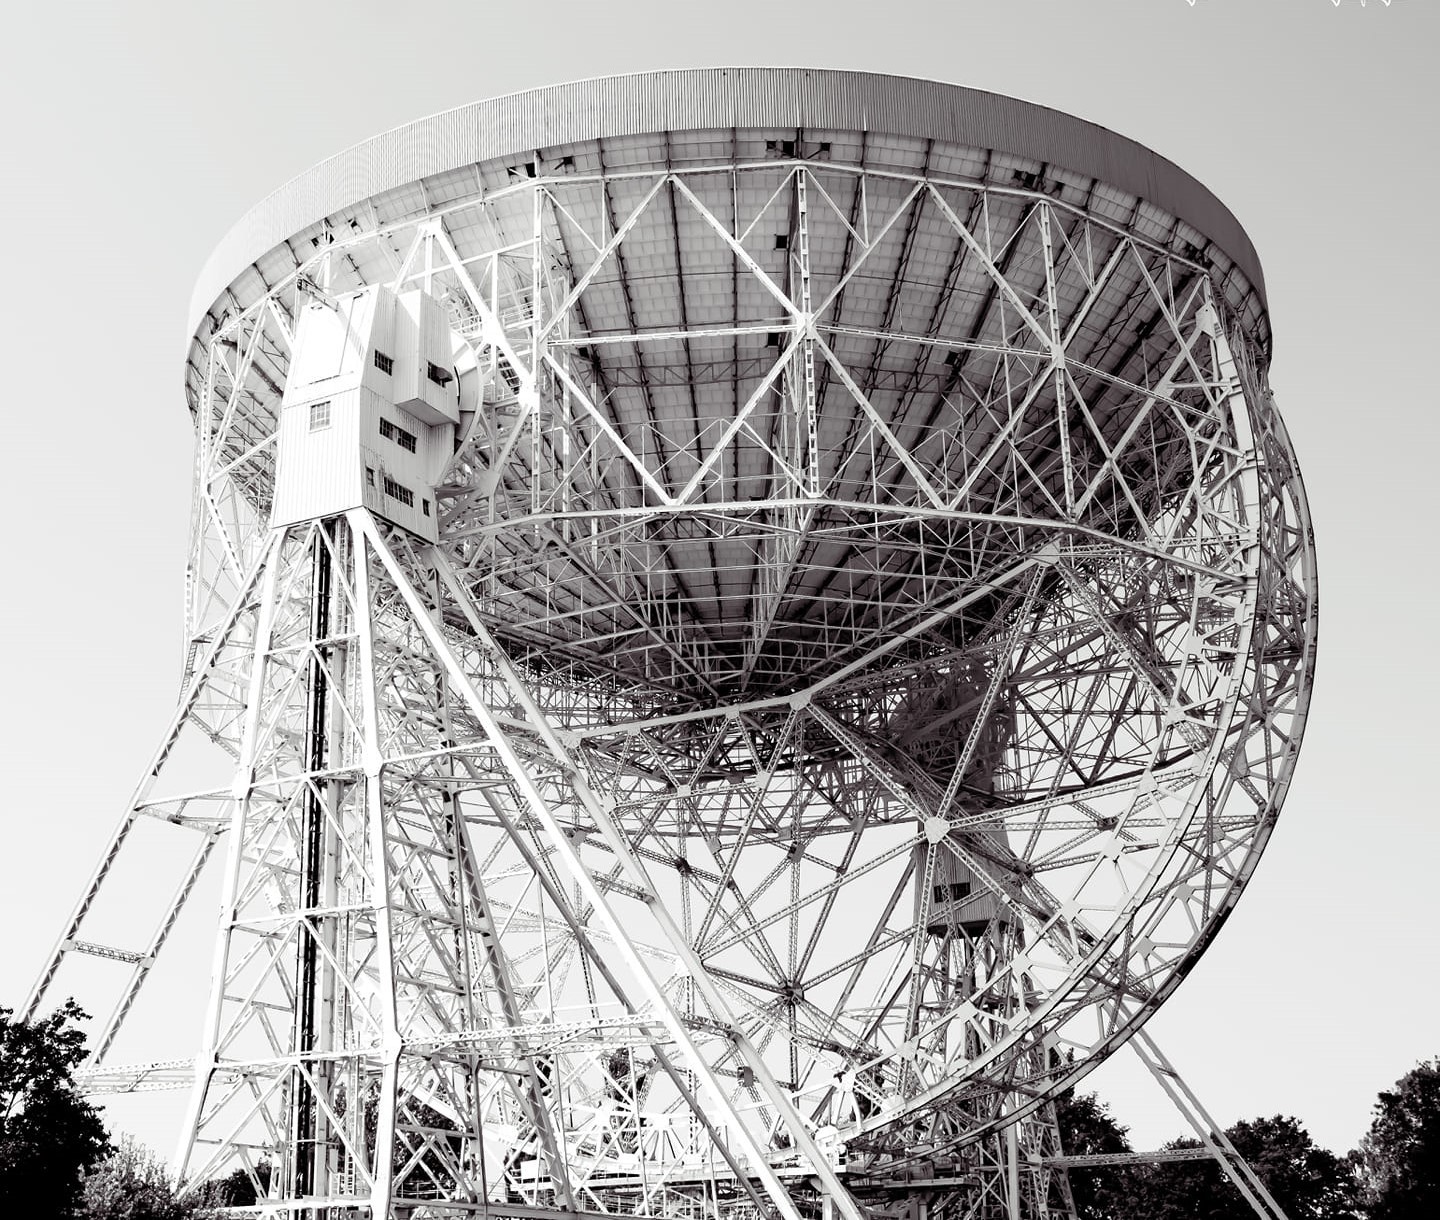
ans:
(1399, 1159)
(132, 1183)
(1088, 1129)
(49, 1135)
(1309, 1182)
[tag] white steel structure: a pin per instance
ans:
(745, 628)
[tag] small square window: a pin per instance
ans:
(782, 242)
(438, 375)
(386, 364)
(319, 415)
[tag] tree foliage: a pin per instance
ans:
(1399, 1158)
(1305, 1179)
(239, 1188)
(1309, 1182)
(132, 1183)
(1088, 1129)
(49, 1134)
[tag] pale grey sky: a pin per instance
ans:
(134, 136)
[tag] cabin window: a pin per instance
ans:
(392, 432)
(398, 491)
(319, 415)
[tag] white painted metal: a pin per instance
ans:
(1216, 1144)
(820, 518)
(370, 407)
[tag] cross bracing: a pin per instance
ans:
(865, 651)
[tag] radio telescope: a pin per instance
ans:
(745, 628)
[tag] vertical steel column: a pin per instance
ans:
(378, 882)
(306, 1124)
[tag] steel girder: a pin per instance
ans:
(608, 856)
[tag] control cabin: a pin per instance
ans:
(370, 409)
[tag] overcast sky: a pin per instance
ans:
(134, 135)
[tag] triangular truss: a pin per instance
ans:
(867, 645)
(421, 991)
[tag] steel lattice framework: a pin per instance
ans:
(864, 654)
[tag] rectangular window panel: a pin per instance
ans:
(384, 363)
(392, 432)
(398, 491)
(954, 891)
(319, 415)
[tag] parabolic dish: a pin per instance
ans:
(876, 487)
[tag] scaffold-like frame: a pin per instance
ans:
(865, 653)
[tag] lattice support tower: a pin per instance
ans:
(744, 630)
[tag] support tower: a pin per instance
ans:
(744, 629)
